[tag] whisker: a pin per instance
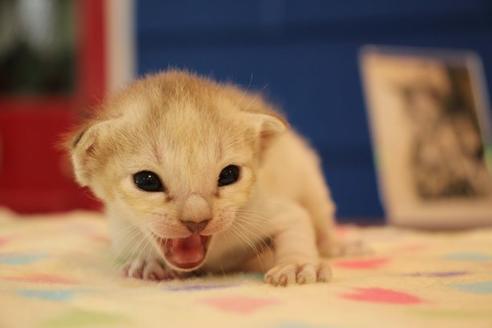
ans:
(250, 243)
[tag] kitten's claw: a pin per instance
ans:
(290, 274)
(147, 270)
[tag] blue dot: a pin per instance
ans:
(484, 287)
(20, 259)
(468, 256)
(50, 295)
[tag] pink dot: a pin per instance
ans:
(100, 238)
(361, 264)
(41, 278)
(381, 295)
(4, 241)
(239, 304)
(342, 230)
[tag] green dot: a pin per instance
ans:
(82, 318)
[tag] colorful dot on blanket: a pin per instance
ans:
(4, 240)
(342, 231)
(362, 264)
(20, 259)
(239, 304)
(198, 287)
(46, 294)
(442, 274)
(382, 295)
(298, 324)
(99, 238)
(41, 278)
(468, 256)
(81, 318)
(483, 287)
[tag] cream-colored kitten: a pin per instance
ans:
(202, 177)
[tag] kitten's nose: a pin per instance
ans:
(196, 227)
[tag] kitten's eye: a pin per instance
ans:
(228, 175)
(148, 181)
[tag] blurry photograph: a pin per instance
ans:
(261, 163)
(431, 132)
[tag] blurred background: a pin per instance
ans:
(58, 57)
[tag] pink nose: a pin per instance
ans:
(195, 227)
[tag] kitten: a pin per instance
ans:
(198, 176)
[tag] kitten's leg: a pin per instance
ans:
(146, 265)
(316, 199)
(295, 251)
(147, 269)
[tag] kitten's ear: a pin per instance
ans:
(83, 148)
(267, 127)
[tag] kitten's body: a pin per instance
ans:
(186, 129)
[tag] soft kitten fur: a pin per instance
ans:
(278, 217)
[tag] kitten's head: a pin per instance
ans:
(176, 155)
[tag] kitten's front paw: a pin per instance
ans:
(290, 274)
(146, 269)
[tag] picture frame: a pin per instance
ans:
(430, 128)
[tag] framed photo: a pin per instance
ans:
(430, 124)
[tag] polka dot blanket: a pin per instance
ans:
(57, 272)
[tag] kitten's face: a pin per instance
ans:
(186, 182)
(179, 170)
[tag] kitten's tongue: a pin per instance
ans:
(186, 252)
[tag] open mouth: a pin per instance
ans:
(185, 253)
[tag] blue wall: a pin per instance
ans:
(303, 55)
